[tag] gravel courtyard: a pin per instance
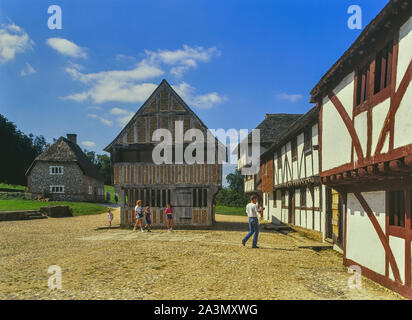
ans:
(185, 264)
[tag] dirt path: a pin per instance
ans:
(186, 264)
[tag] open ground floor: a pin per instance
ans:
(185, 264)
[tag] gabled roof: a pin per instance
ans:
(146, 104)
(272, 127)
(64, 150)
(310, 117)
(395, 13)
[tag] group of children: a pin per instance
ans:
(147, 214)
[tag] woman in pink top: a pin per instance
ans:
(169, 217)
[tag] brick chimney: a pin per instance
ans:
(72, 137)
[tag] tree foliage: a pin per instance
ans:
(233, 195)
(103, 164)
(17, 152)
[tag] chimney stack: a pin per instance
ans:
(72, 137)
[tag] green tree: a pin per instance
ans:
(17, 152)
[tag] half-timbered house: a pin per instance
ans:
(290, 176)
(365, 103)
(189, 187)
(270, 129)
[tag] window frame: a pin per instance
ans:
(294, 149)
(53, 189)
(375, 98)
(56, 170)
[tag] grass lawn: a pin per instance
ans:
(12, 187)
(233, 211)
(79, 208)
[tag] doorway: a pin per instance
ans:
(292, 206)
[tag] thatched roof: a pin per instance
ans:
(64, 150)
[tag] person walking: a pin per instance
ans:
(110, 217)
(169, 217)
(148, 215)
(139, 215)
(252, 210)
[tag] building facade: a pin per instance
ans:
(190, 187)
(63, 172)
(365, 109)
(290, 176)
(271, 128)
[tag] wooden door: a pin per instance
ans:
(337, 218)
(329, 225)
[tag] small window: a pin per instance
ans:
(204, 197)
(308, 140)
(158, 202)
(383, 68)
(56, 189)
(283, 199)
(194, 198)
(362, 88)
(266, 168)
(303, 198)
(153, 198)
(90, 189)
(294, 150)
(274, 199)
(279, 155)
(56, 170)
(163, 198)
(397, 208)
(169, 199)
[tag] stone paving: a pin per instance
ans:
(185, 264)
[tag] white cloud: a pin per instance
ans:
(28, 70)
(291, 97)
(115, 85)
(181, 60)
(204, 101)
(88, 144)
(94, 108)
(66, 47)
(134, 86)
(123, 115)
(13, 40)
(101, 119)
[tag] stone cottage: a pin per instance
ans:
(64, 172)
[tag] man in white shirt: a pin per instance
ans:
(252, 210)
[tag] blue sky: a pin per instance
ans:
(232, 61)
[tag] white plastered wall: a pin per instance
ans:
(363, 245)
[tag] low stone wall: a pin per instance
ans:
(18, 215)
(57, 211)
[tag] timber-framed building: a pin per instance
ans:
(190, 188)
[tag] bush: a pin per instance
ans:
(231, 198)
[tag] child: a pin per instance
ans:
(169, 217)
(139, 215)
(148, 215)
(110, 216)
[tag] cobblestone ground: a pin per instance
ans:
(185, 264)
